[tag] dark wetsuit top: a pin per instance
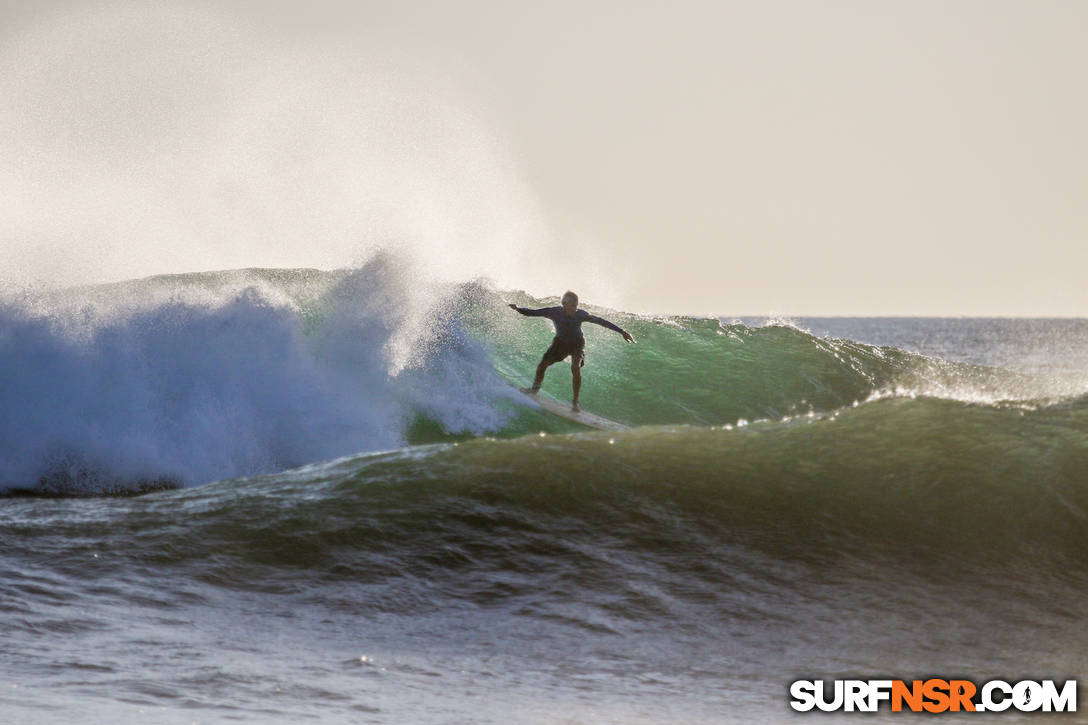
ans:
(568, 328)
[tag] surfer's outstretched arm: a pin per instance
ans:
(605, 323)
(542, 312)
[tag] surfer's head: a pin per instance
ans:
(569, 302)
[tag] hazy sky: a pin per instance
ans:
(798, 158)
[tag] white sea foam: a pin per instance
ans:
(199, 383)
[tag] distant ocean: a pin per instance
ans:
(298, 496)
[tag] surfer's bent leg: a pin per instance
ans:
(540, 370)
(576, 379)
(553, 354)
(577, 360)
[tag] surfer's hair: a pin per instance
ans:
(569, 296)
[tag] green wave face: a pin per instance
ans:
(706, 372)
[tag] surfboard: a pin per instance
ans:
(563, 410)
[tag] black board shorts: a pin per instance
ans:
(560, 349)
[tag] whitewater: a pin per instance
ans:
(278, 495)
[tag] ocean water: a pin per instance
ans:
(303, 496)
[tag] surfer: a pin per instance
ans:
(568, 340)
